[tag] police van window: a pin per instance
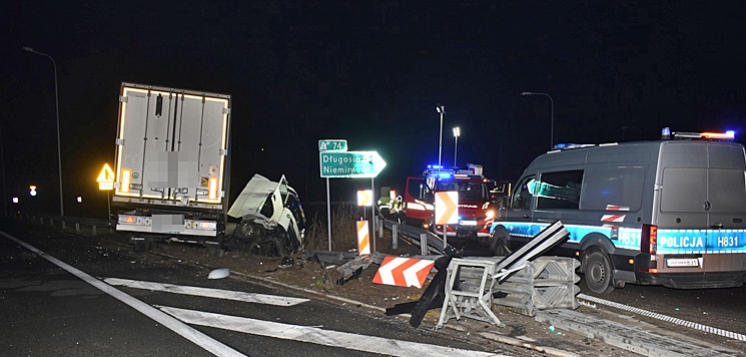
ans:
(522, 196)
(613, 185)
(558, 189)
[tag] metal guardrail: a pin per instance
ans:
(62, 222)
(415, 236)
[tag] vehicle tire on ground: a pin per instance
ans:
(500, 242)
(598, 272)
(483, 241)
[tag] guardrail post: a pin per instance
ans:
(63, 223)
(77, 227)
(379, 224)
(423, 243)
(394, 236)
(94, 230)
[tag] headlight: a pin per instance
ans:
(490, 214)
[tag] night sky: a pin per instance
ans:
(369, 72)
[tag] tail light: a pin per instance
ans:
(126, 175)
(212, 192)
(649, 239)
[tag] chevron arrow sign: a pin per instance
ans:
(446, 207)
(403, 272)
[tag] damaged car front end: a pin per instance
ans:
(272, 218)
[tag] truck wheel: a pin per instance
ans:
(500, 242)
(598, 273)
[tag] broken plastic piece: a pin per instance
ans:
(219, 273)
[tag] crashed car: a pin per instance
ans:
(272, 218)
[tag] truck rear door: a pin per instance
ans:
(172, 145)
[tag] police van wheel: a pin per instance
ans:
(500, 244)
(598, 273)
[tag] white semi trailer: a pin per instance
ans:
(172, 165)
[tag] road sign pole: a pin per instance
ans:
(108, 203)
(373, 215)
(445, 237)
(329, 214)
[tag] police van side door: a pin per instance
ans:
(519, 214)
(522, 202)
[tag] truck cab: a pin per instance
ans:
(476, 210)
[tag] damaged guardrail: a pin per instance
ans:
(548, 282)
(467, 287)
(474, 298)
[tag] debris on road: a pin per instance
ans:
(219, 274)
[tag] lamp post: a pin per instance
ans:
(456, 134)
(57, 105)
(551, 102)
(442, 110)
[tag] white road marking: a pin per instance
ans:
(206, 292)
(673, 320)
(200, 339)
(351, 341)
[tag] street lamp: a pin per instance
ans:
(57, 104)
(456, 134)
(442, 110)
(551, 133)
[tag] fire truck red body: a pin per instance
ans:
(476, 209)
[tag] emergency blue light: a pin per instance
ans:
(434, 167)
(572, 146)
(731, 133)
(444, 175)
(666, 133)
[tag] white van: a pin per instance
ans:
(669, 212)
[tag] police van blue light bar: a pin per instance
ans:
(728, 135)
(572, 146)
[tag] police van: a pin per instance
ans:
(669, 212)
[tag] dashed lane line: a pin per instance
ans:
(207, 292)
(351, 341)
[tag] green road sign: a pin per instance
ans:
(333, 145)
(350, 164)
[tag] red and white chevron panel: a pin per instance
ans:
(403, 272)
(363, 238)
(617, 217)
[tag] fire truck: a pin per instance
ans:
(476, 209)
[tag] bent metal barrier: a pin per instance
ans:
(473, 297)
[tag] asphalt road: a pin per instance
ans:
(47, 310)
